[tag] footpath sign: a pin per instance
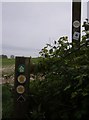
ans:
(21, 87)
(21, 68)
(76, 23)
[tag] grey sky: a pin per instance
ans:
(27, 27)
(0, 27)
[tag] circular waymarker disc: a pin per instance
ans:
(20, 89)
(21, 79)
(76, 23)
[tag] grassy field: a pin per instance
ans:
(7, 62)
(10, 62)
(7, 66)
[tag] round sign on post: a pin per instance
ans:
(20, 89)
(21, 79)
(76, 24)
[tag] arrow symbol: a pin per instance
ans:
(21, 99)
(21, 68)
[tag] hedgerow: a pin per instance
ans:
(64, 94)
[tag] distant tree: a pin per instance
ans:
(12, 56)
(3, 56)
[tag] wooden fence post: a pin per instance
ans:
(21, 87)
(76, 23)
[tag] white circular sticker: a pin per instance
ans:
(21, 79)
(76, 23)
(20, 89)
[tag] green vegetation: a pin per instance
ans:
(64, 93)
(8, 65)
(36, 60)
(10, 62)
(7, 62)
(7, 102)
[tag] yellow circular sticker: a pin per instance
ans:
(21, 79)
(20, 89)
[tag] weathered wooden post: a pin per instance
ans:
(88, 10)
(21, 87)
(76, 23)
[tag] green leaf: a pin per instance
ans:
(67, 87)
(50, 51)
(74, 94)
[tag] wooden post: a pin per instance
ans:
(21, 87)
(88, 10)
(76, 23)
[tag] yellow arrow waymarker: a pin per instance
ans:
(20, 89)
(21, 79)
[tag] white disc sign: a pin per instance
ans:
(21, 79)
(76, 23)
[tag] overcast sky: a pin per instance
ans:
(28, 26)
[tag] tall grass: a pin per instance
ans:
(7, 102)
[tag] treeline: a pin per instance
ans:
(5, 56)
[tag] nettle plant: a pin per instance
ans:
(58, 48)
(63, 63)
(64, 94)
(52, 53)
(61, 49)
